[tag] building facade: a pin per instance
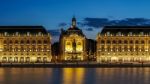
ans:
(123, 44)
(24, 44)
(72, 44)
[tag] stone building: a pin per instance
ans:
(24, 44)
(72, 44)
(124, 44)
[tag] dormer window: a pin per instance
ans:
(17, 33)
(108, 33)
(119, 33)
(130, 33)
(39, 33)
(5, 33)
(141, 33)
(28, 33)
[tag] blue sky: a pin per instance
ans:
(50, 13)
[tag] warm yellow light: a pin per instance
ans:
(65, 58)
(79, 48)
(33, 59)
(114, 58)
(81, 58)
(68, 48)
(1, 50)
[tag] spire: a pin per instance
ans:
(73, 21)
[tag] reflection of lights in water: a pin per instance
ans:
(73, 75)
(2, 74)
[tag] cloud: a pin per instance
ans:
(95, 22)
(63, 24)
(100, 22)
(89, 29)
(89, 24)
(54, 32)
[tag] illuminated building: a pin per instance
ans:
(72, 44)
(124, 44)
(24, 44)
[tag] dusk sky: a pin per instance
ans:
(50, 13)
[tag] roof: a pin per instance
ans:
(126, 29)
(23, 29)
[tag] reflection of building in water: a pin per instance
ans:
(73, 44)
(74, 75)
(24, 44)
(123, 44)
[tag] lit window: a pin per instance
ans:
(108, 33)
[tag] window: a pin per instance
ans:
(28, 42)
(28, 33)
(45, 42)
(22, 42)
(130, 33)
(68, 43)
(131, 42)
(39, 42)
(119, 41)
(5, 42)
(10, 41)
(16, 41)
(119, 33)
(142, 42)
(141, 33)
(79, 43)
(137, 42)
(102, 41)
(108, 33)
(114, 42)
(108, 42)
(125, 42)
(33, 42)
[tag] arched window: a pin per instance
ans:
(28, 42)
(108, 42)
(125, 42)
(33, 42)
(142, 42)
(149, 41)
(45, 42)
(39, 42)
(102, 41)
(136, 42)
(10, 42)
(79, 43)
(119, 41)
(22, 42)
(131, 42)
(114, 42)
(16, 41)
(5, 42)
(68, 43)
